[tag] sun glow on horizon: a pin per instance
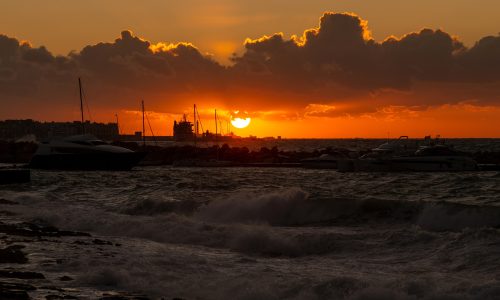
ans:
(240, 120)
(240, 123)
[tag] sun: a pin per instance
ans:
(240, 123)
(240, 119)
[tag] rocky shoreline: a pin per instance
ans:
(20, 245)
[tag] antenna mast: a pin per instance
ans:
(81, 103)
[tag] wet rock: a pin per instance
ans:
(13, 255)
(14, 291)
(13, 295)
(55, 297)
(101, 242)
(51, 288)
(80, 243)
(20, 274)
(65, 278)
(123, 297)
(7, 202)
(7, 213)
(33, 230)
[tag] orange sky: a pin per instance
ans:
(461, 120)
(344, 77)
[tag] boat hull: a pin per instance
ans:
(87, 161)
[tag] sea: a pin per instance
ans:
(354, 144)
(266, 233)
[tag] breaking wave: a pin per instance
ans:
(288, 222)
(295, 207)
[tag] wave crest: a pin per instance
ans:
(294, 207)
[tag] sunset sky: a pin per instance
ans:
(312, 68)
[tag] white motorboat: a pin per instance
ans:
(83, 152)
(390, 158)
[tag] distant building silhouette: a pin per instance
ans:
(15, 129)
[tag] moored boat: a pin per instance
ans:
(429, 158)
(83, 152)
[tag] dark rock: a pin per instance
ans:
(122, 297)
(16, 286)
(14, 291)
(8, 202)
(13, 255)
(55, 297)
(51, 288)
(101, 242)
(33, 230)
(80, 243)
(20, 274)
(7, 213)
(65, 278)
(14, 295)
(235, 155)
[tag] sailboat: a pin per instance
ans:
(83, 152)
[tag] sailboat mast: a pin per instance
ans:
(195, 124)
(143, 127)
(81, 103)
(117, 124)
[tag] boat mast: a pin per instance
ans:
(143, 127)
(216, 134)
(117, 124)
(216, 125)
(81, 103)
(195, 124)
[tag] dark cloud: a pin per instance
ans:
(482, 61)
(337, 64)
(136, 63)
(339, 61)
(341, 51)
(24, 69)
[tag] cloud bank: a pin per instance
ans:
(337, 69)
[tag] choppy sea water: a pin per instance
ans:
(250, 233)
